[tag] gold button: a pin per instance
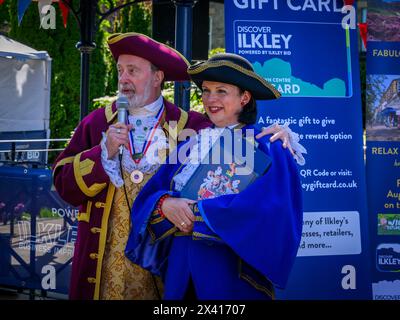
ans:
(99, 204)
(95, 230)
(93, 256)
(91, 280)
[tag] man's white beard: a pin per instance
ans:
(138, 101)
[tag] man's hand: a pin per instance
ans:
(117, 134)
(177, 211)
(278, 132)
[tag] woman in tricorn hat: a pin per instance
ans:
(229, 246)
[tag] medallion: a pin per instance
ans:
(136, 176)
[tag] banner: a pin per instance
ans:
(309, 51)
(37, 231)
(383, 145)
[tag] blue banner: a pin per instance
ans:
(22, 6)
(303, 48)
(37, 231)
(383, 146)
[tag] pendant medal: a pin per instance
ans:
(136, 176)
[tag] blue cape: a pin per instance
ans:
(262, 224)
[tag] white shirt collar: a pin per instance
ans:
(150, 109)
(229, 127)
(233, 125)
(155, 106)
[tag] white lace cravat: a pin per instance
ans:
(150, 161)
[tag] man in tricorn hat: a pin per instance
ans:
(87, 173)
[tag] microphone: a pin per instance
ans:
(122, 108)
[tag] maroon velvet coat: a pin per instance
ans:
(80, 179)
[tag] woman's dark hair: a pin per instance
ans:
(248, 115)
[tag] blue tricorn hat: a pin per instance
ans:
(233, 69)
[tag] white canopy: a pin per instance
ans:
(25, 78)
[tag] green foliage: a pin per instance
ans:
(65, 79)
(4, 17)
(215, 51)
(134, 18)
(195, 97)
(375, 89)
(60, 44)
(47, 213)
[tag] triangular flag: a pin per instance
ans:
(363, 33)
(22, 6)
(64, 11)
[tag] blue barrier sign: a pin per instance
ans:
(37, 231)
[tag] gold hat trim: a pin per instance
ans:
(223, 63)
(114, 38)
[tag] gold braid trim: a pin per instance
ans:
(103, 238)
(86, 166)
(215, 64)
(85, 216)
(183, 118)
(78, 173)
(163, 236)
(199, 219)
(197, 235)
(256, 285)
(182, 234)
(157, 220)
(119, 36)
(109, 113)
(63, 162)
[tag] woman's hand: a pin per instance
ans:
(177, 211)
(278, 132)
(290, 140)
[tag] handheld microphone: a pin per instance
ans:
(122, 108)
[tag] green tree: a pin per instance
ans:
(60, 44)
(375, 87)
(65, 80)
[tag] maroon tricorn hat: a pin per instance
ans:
(162, 56)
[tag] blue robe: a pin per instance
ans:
(242, 246)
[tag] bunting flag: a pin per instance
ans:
(22, 6)
(1, 2)
(363, 33)
(64, 11)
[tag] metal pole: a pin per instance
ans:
(86, 46)
(183, 43)
(34, 213)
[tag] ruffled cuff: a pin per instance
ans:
(294, 139)
(111, 166)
